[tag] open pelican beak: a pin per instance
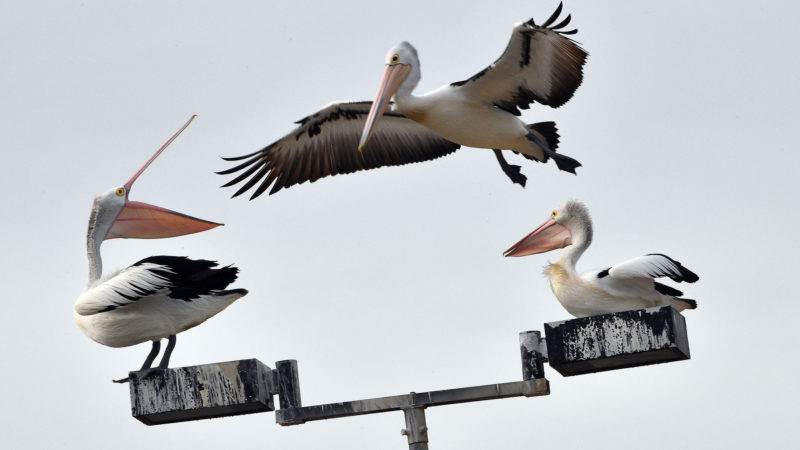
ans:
(549, 236)
(144, 221)
(393, 77)
(155, 155)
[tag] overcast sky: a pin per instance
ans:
(390, 281)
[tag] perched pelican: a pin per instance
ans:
(158, 296)
(540, 64)
(627, 285)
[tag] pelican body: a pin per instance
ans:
(624, 286)
(540, 64)
(450, 112)
(157, 297)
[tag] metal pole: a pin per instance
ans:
(416, 429)
(532, 351)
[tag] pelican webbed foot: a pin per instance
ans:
(148, 362)
(563, 162)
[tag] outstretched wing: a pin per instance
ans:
(654, 265)
(326, 143)
(539, 64)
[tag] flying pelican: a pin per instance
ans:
(624, 286)
(158, 296)
(540, 64)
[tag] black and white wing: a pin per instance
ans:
(326, 143)
(654, 265)
(539, 64)
(174, 277)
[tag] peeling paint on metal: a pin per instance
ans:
(618, 340)
(211, 390)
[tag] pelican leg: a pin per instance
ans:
(563, 162)
(168, 352)
(512, 171)
(148, 362)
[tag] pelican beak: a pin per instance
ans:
(393, 77)
(549, 236)
(153, 158)
(144, 221)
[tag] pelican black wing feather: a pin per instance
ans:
(176, 277)
(653, 265)
(666, 290)
(326, 143)
(188, 279)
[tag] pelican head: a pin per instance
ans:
(401, 60)
(115, 216)
(568, 224)
(402, 53)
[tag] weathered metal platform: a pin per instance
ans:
(617, 341)
(201, 392)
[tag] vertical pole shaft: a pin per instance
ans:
(416, 428)
(530, 347)
(288, 384)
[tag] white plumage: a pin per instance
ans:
(137, 304)
(122, 288)
(158, 296)
(540, 64)
(624, 286)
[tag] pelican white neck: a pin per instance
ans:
(575, 216)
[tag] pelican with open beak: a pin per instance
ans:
(158, 296)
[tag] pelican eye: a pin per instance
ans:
(555, 213)
(394, 58)
(120, 192)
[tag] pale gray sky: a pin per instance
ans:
(391, 281)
